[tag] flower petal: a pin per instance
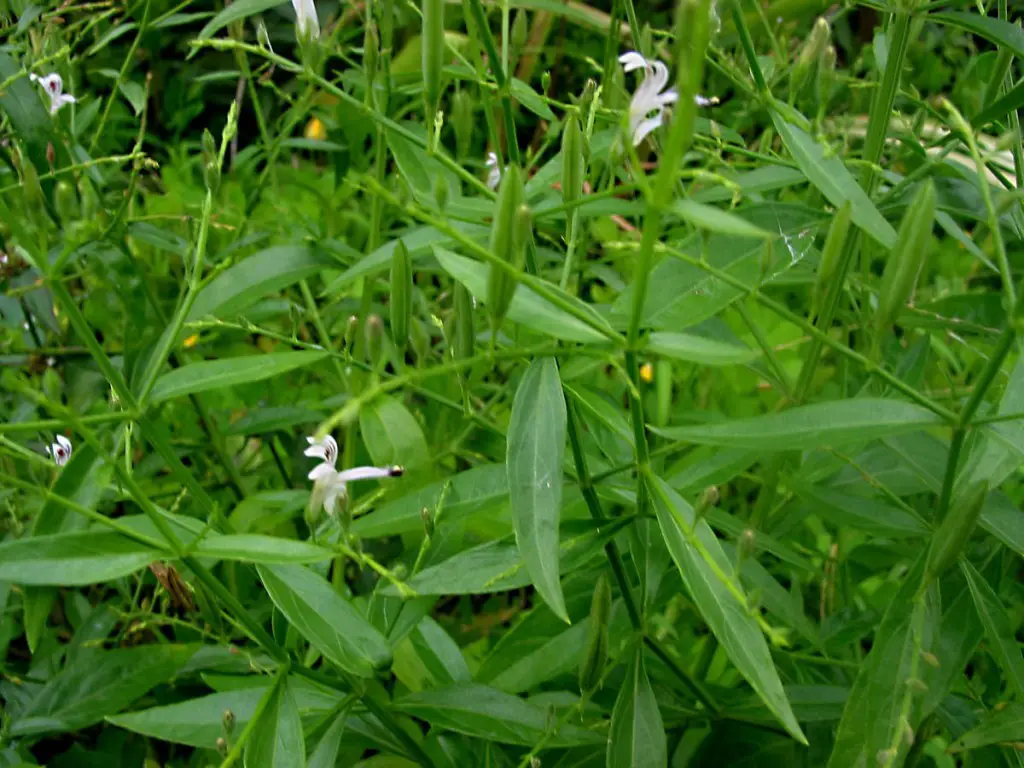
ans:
(645, 127)
(668, 97)
(658, 76)
(632, 60)
(326, 449)
(322, 473)
(64, 443)
(368, 473)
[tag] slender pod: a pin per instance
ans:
(401, 295)
(954, 532)
(433, 56)
(572, 160)
(464, 331)
(596, 654)
(834, 242)
(504, 231)
(908, 256)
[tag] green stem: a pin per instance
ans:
(129, 60)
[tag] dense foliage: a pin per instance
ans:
(511, 384)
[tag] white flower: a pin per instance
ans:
(60, 451)
(493, 170)
(328, 482)
(54, 86)
(306, 20)
(648, 104)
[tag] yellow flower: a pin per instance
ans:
(315, 129)
(647, 373)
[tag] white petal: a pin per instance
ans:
(334, 492)
(368, 473)
(64, 443)
(668, 97)
(326, 449)
(494, 178)
(632, 60)
(704, 101)
(645, 127)
(492, 160)
(59, 101)
(322, 473)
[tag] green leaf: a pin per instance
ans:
(282, 418)
(487, 713)
(22, 102)
(421, 171)
(1010, 102)
(1004, 520)
(429, 658)
(827, 172)
(255, 548)
(1001, 33)
(497, 566)
(1006, 725)
(98, 684)
(868, 514)
(74, 559)
(698, 349)
(873, 716)
(998, 628)
(277, 741)
(256, 277)
(527, 307)
(812, 426)
(637, 736)
(718, 220)
(329, 622)
(326, 753)
(530, 99)
(465, 494)
(217, 374)
(707, 573)
(241, 9)
(536, 447)
(392, 434)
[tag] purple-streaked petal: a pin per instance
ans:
(658, 76)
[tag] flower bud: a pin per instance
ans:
(908, 257)
(222, 746)
(572, 160)
(545, 81)
(520, 32)
(211, 169)
(810, 54)
(596, 655)
(462, 122)
(228, 721)
(464, 329)
(350, 331)
(505, 232)
(433, 56)
(401, 295)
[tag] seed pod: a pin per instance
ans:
(663, 389)
(597, 635)
(401, 295)
(572, 160)
(211, 170)
(462, 121)
(374, 339)
(441, 193)
(464, 330)
(953, 532)
(419, 338)
(433, 55)
(907, 257)
(501, 286)
(520, 31)
(371, 49)
(29, 180)
(834, 242)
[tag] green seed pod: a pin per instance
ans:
(597, 635)
(350, 331)
(834, 243)
(419, 339)
(371, 50)
(441, 193)
(504, 231)
(545, 81)
(663, 389)
(464, 330)
(810, 55)
(374, 339)
(462, 122)
(89, 198)
(401, 295)
(211, 170)
(520, 31)
(65, 201)
(572, 160)
(953, 533)
(29, 180)
(433, 56)
(908, 256)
